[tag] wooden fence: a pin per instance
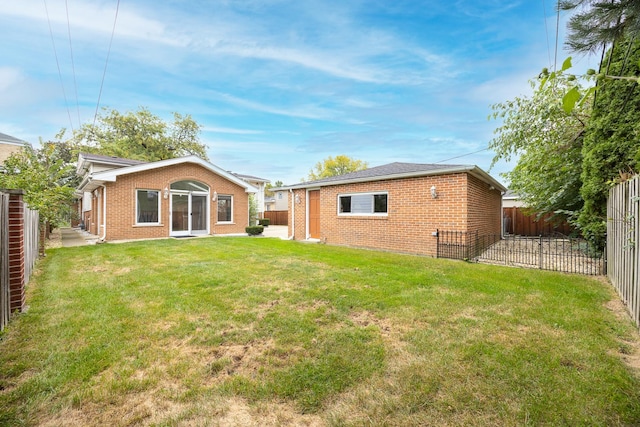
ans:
(517, 222)
(19, 250)
(623, 238)
(277, 217)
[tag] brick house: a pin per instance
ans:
(129, 199)
(396, 207)
(9, 145)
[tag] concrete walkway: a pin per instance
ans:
(76, 237)
(280, 231)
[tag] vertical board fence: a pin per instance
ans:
(19, 250)
(31, 241)
(623, 238)
(277, 217)
(563, 254)
(517, 221)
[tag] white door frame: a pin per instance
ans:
(189, 228)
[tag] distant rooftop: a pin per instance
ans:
(12, 140)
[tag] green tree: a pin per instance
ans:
(339, 165)
(47, 178)
(612, 141)
(140, 135)
(546, 138)
(269, 186)
(599, 23)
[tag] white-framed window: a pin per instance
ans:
(363, 204)
(225, 208)
(147, 206)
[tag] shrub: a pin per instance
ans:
(254, 230)
(264, 221)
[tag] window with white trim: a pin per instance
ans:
(147, 206)
(363, 204)
(225, 208)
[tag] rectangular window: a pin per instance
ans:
(363, 204)
(225, 208)
(147, 206)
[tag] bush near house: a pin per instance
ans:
(254, 230)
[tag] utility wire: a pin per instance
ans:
(555, 57)
(73, 66)
(104, 73)
(463, 155)
(546, 30)
(55, 53)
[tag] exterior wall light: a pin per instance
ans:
(433, 192)
(166, 193)
(297, 199)
(215, 196)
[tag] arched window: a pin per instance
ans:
(190, 185)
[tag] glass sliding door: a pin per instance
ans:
(189, 213)
(180, 214)
(199, 214)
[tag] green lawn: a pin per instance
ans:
(252, 331)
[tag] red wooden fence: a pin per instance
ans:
(517, 222)
(277, 217)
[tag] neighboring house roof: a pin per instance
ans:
(398, 170)
(85, 159)
(510, 195)
(249, 177)
(96, 179)
(8, 139)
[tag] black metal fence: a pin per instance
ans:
(569, 255)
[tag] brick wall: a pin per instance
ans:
(121, 202)
(16, 251)
(464, 203)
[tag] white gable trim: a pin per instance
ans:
(113, 174)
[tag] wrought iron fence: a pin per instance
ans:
(569, 255)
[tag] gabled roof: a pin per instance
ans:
(84, 159)
(398, 170)
(249, 177)
(8, 139)
(99, 178)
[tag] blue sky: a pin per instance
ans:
(279, 85)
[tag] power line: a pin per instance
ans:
(555, 57)
(104, 73)
(463, 155)
(73, 66)
(55, 53)
(546, 30)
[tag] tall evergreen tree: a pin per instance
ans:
(599, 23)
(611, 149)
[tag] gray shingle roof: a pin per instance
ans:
(389, 169)
(110, 159)
(397, 170)
(12, 140)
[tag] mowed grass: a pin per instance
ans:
(251, 331)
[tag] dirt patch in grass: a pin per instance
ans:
(629, 350)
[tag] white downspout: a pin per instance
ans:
(104, 213)
(293, 215)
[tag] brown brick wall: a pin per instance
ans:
(16, 251)
(121, 202)
(484, 210)
(464, 203)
